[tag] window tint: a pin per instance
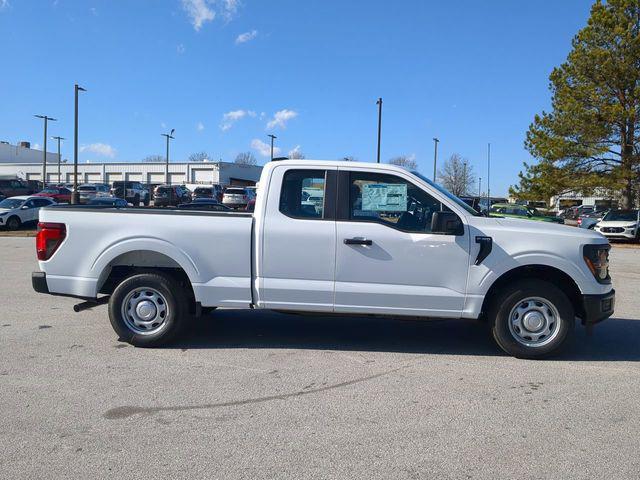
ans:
(392, 201)
(298, 189)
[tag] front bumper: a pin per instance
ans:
(39, 282)
(598, 307)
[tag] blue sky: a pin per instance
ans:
(310, 72)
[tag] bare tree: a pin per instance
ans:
(153, 159)
(245, 158)
(405, 161)
(296, 154)
(457, 175)
(199, 157)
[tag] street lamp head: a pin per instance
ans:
(172, 130)
(80, 89)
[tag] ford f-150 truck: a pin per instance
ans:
(380, 241)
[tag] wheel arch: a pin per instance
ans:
(541, 272)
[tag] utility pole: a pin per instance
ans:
(488, 177)
(75, 196)
(273, 137)
(379, 103)
(435, 156)
(169, 136)
(464, 178)
(44, 153)
(59, 157)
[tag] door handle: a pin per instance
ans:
(357, 241)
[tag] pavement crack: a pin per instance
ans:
(126, 411)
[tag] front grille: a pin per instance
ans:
(612, 229)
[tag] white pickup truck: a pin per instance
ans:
(380, 241)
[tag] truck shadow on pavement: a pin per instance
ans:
(616, 339)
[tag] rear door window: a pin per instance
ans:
(298, 188)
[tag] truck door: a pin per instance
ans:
(297, 260)
(387, 260)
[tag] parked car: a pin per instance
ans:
(132, 192)
(89, 191)
(590, 220)
(209, 191)
(171, 195)
(237, 197)
(620, 224)
(108, 202)
(387, 242)
(210, 204)
(17, 211)
(59, 194)
(512, 210)
(572, 214)
(14, 187)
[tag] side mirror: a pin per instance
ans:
(24, 207)
(447, 223)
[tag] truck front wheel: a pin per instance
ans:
(531, 319)
(148, 309)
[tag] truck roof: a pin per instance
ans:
(337, 163)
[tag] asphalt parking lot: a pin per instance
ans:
(264, 395)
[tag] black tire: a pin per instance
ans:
(136, 201)
(510, 338)
(146, 201)
(176, 311)
(13, 223)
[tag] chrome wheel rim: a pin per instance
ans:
(534, 322)
(145, 310)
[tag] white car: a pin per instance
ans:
(385, 242)
(16, 211)
(620, 224)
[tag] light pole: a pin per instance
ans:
(59, 157)
(379, 103)
(44, 153)
(435, 156)
(273, 137)
(488, 177)
(479, 186)
(169, 136)
(464, 178)
(75, 196)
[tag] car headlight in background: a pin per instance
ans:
(631, 226)
(596, 256)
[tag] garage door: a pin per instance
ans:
(155, 177)
(134, 177)
(94, 177)
(53, 177)
(201, 175)
(70, 178)
(113, 177)
(176, 178)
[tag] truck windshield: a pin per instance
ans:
(449, 195)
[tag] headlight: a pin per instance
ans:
(631, 226)
(597, 259)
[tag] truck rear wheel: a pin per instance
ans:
(531, 319)
(148, 309)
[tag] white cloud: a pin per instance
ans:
(263, 148)
(200, 126)
(4, 4)
(246, 37)
(199, 12)
(203, 11)
(180, 49)
(229, 118)
(101, 149)
(280, 119)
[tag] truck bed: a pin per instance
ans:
(212, 248)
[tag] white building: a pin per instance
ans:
(222, 173)
(23, 153)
